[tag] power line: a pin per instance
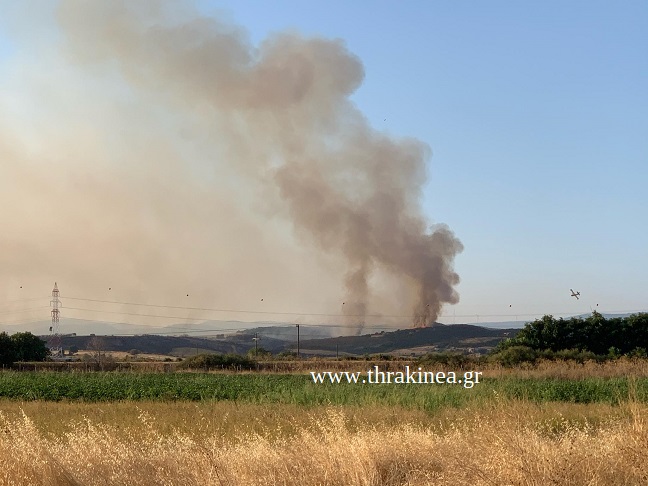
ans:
(23, 300)
(135, 314)
(162, 333)
(239, 311)
(202, 319)
(269, 313)
(172, 331)
(17, 311)
(345, 326)
(314, 314)
(24, 321)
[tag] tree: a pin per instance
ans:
(7, 350)
(97, 348)
(22, 346)
(28, 347)
(611, 337)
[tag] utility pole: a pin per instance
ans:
(55, 335)
(297, 340)
(256, 345)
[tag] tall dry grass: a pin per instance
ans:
(622, 367)
(501, 443)
(568, 369)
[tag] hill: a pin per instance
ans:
(440, 337)
(170, 345)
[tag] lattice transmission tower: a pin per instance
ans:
(55, 341)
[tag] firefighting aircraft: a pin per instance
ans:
(575, 294)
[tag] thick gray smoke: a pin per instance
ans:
(188, 123)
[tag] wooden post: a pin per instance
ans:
(297, 340)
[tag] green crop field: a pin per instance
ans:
(300, 389)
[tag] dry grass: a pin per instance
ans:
(622, 367)
(227, 420)
(504, 442)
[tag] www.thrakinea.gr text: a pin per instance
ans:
(467, 379)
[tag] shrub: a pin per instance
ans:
(218, 361)
(515, 355)
(638, 353)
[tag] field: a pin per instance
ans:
(300, 389)
(553, 424)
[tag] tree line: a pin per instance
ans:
(596, 334)
(21, 346)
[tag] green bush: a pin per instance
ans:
(515, 355)
(638, 353)
(218, 362)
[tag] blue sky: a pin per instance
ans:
(537, 118)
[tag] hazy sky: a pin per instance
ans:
(536, 116)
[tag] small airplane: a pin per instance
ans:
(574, 294)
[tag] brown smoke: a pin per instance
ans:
(190, 145)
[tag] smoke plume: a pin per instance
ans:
(154, 146)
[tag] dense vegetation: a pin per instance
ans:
(22, 346)
(300, 390)
(593, 336)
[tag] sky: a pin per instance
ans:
(535, 117)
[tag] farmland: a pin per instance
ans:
(564, 423)
(300, 389)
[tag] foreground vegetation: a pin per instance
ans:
(300, 389)
(502, 442)
(541, 414)
(548, 423)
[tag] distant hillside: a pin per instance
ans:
(440, 337)
(288, 333)
(171, 345)
(458, 337)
